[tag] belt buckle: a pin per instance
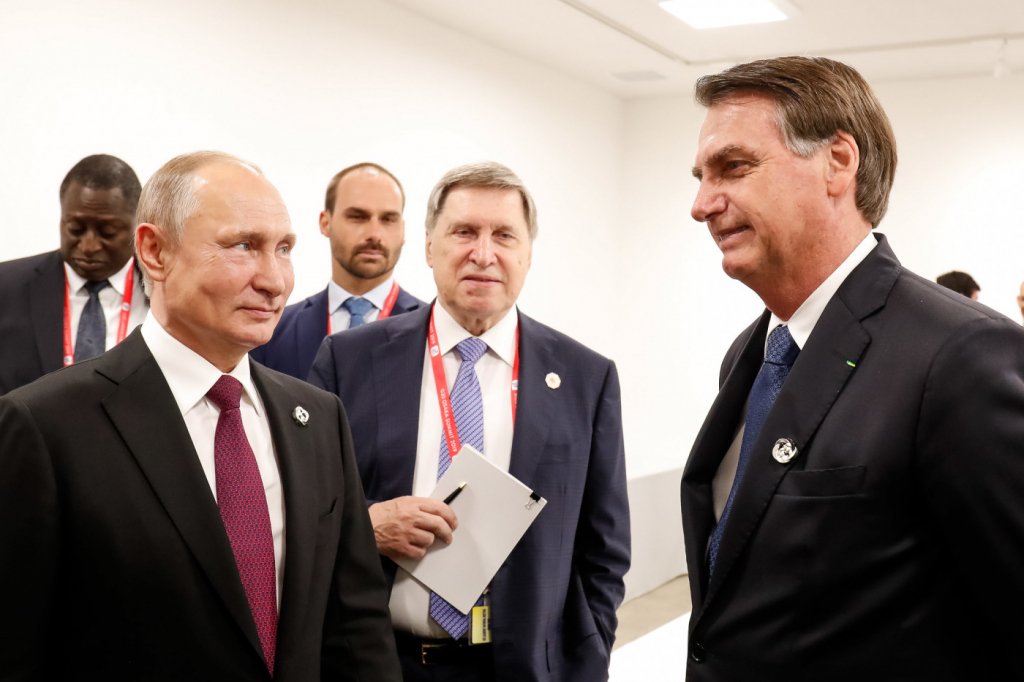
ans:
(426, 648)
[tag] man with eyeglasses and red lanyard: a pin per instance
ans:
(66, 306)
(536, 403)
(362, 217)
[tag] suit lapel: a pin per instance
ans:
(397, 368)
(143, 411)
(538, 404)
(295, 455)
(310, 330)
(816, 381)
(46, 303)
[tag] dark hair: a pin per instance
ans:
(103, 171)
(332, 186)
(815, 99)
(960, 282)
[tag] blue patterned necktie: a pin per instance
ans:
(468, 409)
(92, 326)
(780, 354)
(357, 308)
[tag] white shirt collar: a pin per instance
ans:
(336, 295)
(501, 338)
(76, 281)
(189, 375)
(802, 322)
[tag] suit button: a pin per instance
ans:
(697, 652)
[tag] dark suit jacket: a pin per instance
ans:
(31, 322)
(554, 599)
(891, 547)
(115, 559)
(303, 327)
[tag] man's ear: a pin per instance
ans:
(151, 251)
(843, 162)
(325, 223)
(426, 243)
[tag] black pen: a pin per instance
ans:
(455, 493)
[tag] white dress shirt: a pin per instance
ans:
(410, 601)
(190, 377)
(801, 324)
(340, 315)
(110, 299)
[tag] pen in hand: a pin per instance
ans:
(455, 493)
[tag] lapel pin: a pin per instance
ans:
(553, 380)
(300, 416)
(784, 451)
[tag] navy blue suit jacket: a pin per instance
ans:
(303, 327)
(31, 326)
(889, 549)
(554, 599)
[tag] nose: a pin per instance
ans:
(483, 252)
(708, 203)
(274, 275)
(89, 243)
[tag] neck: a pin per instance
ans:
(474, 325)
(356, 285)
(223, 360)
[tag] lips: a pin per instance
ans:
(724, 235)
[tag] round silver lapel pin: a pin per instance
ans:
(784, 451)
(300, 416)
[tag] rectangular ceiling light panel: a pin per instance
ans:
(722, 13)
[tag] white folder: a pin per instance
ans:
(494, 510)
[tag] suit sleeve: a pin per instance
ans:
(29, 536)
(359, 644)
(602, 547)
(971, 440)
(324, 373)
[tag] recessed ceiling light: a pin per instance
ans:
(721, 13)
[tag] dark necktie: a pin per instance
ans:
(243, 509)
(357, 308)
(92, 326)
(468, 409)
(780, 354)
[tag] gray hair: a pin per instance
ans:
(484, 174)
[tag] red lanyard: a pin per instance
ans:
(123, 318)
(389, 303)
(444, 401)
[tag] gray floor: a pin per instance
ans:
(639, 616)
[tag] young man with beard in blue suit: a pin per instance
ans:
(362, 218)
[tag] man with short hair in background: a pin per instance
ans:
(960, 282)
(852, 504)
(536, 403)
(172, 511)
(69, 305)
(362, 218)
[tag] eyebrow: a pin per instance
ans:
(717, 158)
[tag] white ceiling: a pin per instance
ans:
(632, 48)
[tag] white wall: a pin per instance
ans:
(303, 89)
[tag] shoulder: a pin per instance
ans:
(532, 332)
(294, 310)
(406, 302)
(23, 269)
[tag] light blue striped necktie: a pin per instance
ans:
(357, 309)
(468, 410)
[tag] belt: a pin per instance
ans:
(440, 651)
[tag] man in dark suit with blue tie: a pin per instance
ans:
(71, 304)
(171, 511)
(362, 217)
(549, 413)
(852, 504)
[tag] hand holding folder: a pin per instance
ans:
(494, 509)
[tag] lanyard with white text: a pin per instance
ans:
(123, 318)
(389, 303)
(444, 401)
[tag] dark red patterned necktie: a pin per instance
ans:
(243, 508)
